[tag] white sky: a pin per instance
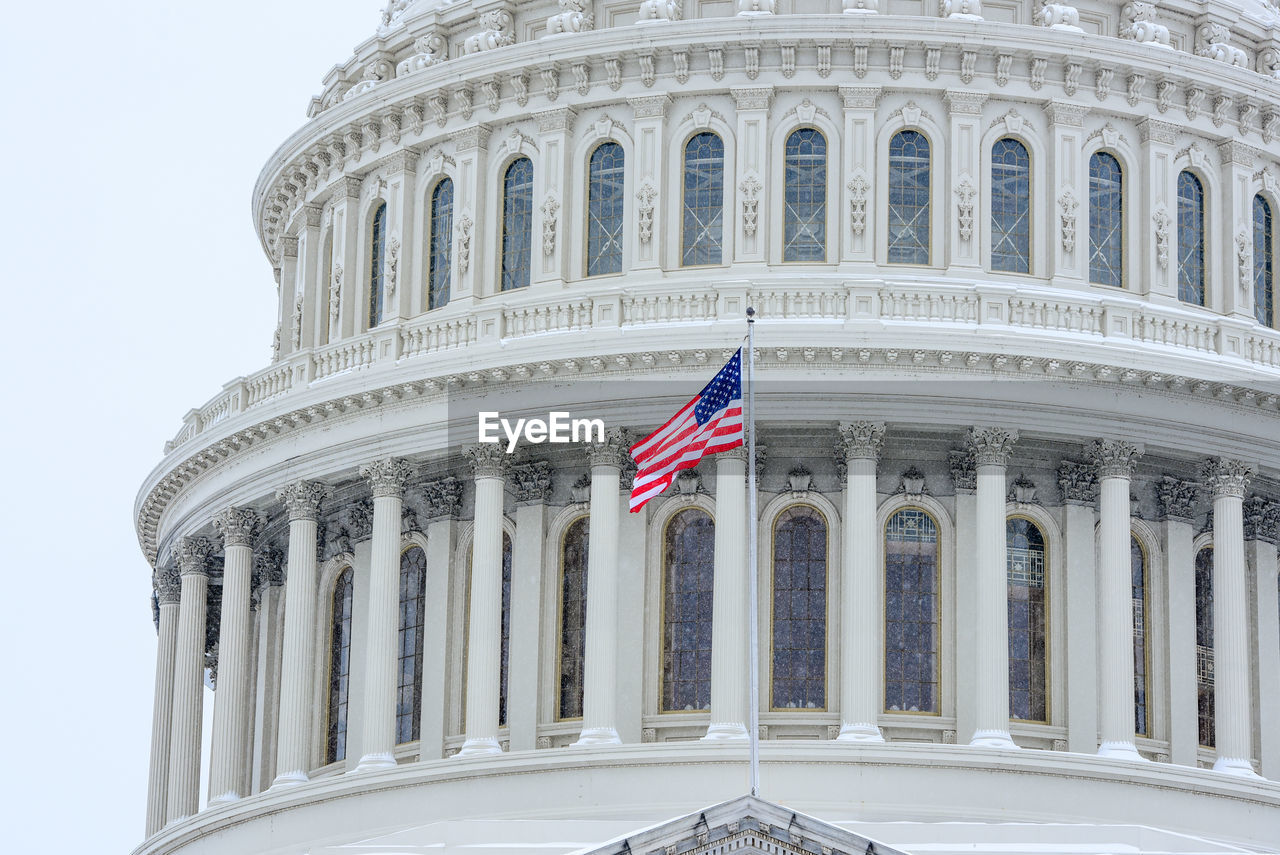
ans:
(134, 287)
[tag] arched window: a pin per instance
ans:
(517, 223)
(605, 202)
(1010, 207)
(1106, 220)
(911, 612)
(339, 668)
(1204, 645)
(1138, 570)
(1263, 255)
(909, 198)
(1028, 621)
(439, 244)
(799, 610)
(413, 594)
(805, 197)
(377, 258)
(1190, 239)
(688, 552)
(702, 232)
(573, 616)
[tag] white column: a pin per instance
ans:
(442, 504)
(1079, 485)
(484, 642)
(729, 600)
(1115, 460)
(861, 639)
(531, 483)
(600, 657)
(183, 798)
(1177, 500)
(1262, 529)
(1227, 480)
(992, 447)
(168, 588)
(293, 753)
(230, 701)
(269, 568)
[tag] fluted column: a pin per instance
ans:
(388, 478)
(1227, 481)
(992, 447)
(600, 656)
(484, 642)
(183, 797)
(230, 701)
(861, 640)
(729, 600)
(293, 751)
(168, 588)
(1115, 460)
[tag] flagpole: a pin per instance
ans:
(753, 632)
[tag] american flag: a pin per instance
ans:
(711, 422)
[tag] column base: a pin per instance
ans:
(992, 739)
(480, 746)
(859, 732)
(226, 798)
(721, 731)
(290, 779)
(1120, 751)
(375, 762)
(1235, 766)
(598, 736)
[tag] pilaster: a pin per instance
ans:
(402, 255)
(857, 218)
(288, 290)
(752, 179)
(532, 485)
(1177, 505)
(1262, 531)
(729, 613)
(471, 262)
(269, 572)
(450, 582)
(964, 148)
(1069, 181)
(650, 113)
(302, 328)
(1156, 243)
(1235, 260)
(484, 638)
(344, 284)
(551, 189)
(183, 797)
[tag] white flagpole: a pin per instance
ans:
(753, 632)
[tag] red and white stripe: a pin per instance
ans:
(680, 444)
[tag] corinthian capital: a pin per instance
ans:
(168, 585)
(1176, 498)
(612, 452)
(1078, 483)
(861, 440)
(1261, 519)
(302, 499)
(1226, 477)
(992, 446)
(487, 460)
(237, 526)
(268, 567)
(443, 498)
(388, 477)
(193, 553)
(531, 482)
(1114, 458)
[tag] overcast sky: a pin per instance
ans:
(134, 288)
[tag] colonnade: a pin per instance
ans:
(182, 595)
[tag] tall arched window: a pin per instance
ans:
(1141, 689)
(1204, 645)
(605, 203)
(413, 595)
(377, 258)
(1028, 621)
(1190, 239)
(909, 198)
(573, 616)
(339, 668)
(702, 231)
(799, 610)
(688, 553)
(517, 223)
(1010, 207)
(911, 612)
(1106, 220)
(439, 244)
(1263, 256)
(805, 197)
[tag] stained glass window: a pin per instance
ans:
(1010, 207)
(1028, 619)
(413, 593)
(377, 257)
(911, 612)
(1138, 571)
(573, 616)
(909, 198)
(339, 668)
(1190, 239)
(1106, 220)
(517, 223)
(805, 191)
(439, 243)
(1263, 256)
(702, 231)
(688, 552)
(1204, 646)
(799, 610)
(605, 203)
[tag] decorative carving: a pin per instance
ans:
(374, 73)
(1115, 458)
(388, 477)
(858, 189)
(464, 242)
(860, 440)
(193, 555)
(1071, 77)
(302, 499)
(442, 497)
(1195, 95)
(268, 567)
(689, 483)
(575, 17)
(750, 188)
(580, 490)
(911, 483)
(1221, 106)
(1244, 260)
(495, 31)
(1039, 66)
(430, 49)
(1161, 221)
(992, 446)
(860, 60)
(1261, 520)
(1067, 207)
(297, 325)
(1269, 61)
(645, 195)
(531, 482)
(1176, 499)
(335, 299)
(1133, 92)
(1164, 95)
(391, 265)
(1023, 490)
(613, 451)
(932, 62)
(487, 459)
(964, 472)
(964, 10)
(1138, 23)
(968, 61)
(1058, 16)
(1078, 483)
(360, 519)
(237, 526)
(1214, 41)
(168, 584)
(897, 54)
(549, 218)
(661, 10)
(1004, 62)
(715, 61)
(1226, 477)
(965, 194)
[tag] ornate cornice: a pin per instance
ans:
(1176, 499)
(992, 446)
(860, 97)
(612, 452)
(302, 499)
(237, 526)
(442, 497)
(963, 102)
(193, 555)
(1078, 482)
(861, 440)
(1066, 113)
(650, 106)
(471, 138)
(751, 97)
(388, 477)
(531, 482)
(1226, 477)
(1115, 458)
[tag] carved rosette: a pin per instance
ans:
(389, 477)
(992, 446)
(1114, 458)
(861, 440)
(1226, 477)
(1078, 482)
(168, 585)
(487, 460)
(1176, 499)
(237, 526)
(442, 497)
(1261, 519)
(964, 470)
(612, 452)
(193, 555)
(302, 499)
(268, 567)
(531, 482)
